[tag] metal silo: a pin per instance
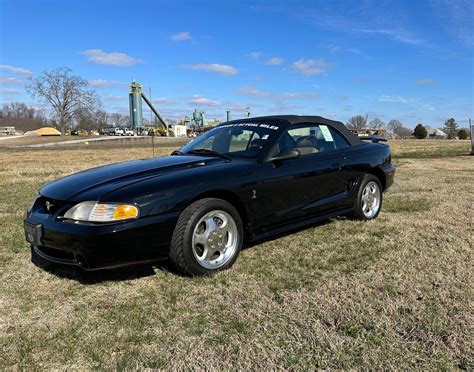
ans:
(135, 97)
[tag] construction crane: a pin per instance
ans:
(135, 101)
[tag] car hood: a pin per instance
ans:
(94, 183)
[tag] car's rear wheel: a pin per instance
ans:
(208, 237)
(369, 199)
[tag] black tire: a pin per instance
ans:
(358, 213)
(181, 250)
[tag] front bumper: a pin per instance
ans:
(100, 246)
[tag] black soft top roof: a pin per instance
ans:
(296, 119)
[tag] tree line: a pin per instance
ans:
(86, 120)
(450, 127)
(69, 101)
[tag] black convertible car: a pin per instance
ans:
(243, 180)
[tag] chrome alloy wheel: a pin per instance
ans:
(371, 199)
(215, 239)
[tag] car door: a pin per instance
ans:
(312, 183)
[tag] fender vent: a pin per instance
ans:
(351, 185)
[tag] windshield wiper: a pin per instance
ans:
(209, 152)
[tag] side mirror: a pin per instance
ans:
(287, 154)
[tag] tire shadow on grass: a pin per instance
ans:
(99, 276)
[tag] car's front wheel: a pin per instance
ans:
(369, 198)
(208, 237)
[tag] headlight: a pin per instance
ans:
(29, 208)
(92, 211)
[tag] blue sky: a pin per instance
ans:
(406, 60)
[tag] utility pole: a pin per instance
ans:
(151, 112)
(471, 131)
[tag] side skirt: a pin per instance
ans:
(268, 231)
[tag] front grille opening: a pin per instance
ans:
(56, 253)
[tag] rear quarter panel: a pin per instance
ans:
(366, 157)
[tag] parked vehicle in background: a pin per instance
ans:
(129, 132)
(114, 132)
(74, 132)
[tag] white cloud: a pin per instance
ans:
(424, 82)
(214, 67)
(311, 67)
(255, 55)
(203, 101)
(456, 18)
(113, 58)
(164, 101)
(112, 98)
(181, 36)
(395, 99)
(16, 70)
(257, 93)
(429, 107)
(370, 23)
(274, 61)
(333, 48)
(100, 83)
(398, 35)
(254, 92)
(10, 91)
(10, 80)
(284, 107)
(301, 95)
(239, 107)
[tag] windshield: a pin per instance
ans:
(236, 140)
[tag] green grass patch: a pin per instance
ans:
(403, 204)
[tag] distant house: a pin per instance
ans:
(381, 132)
(179, 130)
(435, 133)
(7, 131)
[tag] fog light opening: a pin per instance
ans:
(80, 261)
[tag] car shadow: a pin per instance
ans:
(95, 277)
(142, 271)
(277, 236)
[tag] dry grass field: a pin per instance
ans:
(394, 293)
(33, 140)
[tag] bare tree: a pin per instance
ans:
(66, 94)
(17, 110)
(376, 123)
(395, 126)
(119, 120)
(84, 120)
(357, 122)
(102, 119)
